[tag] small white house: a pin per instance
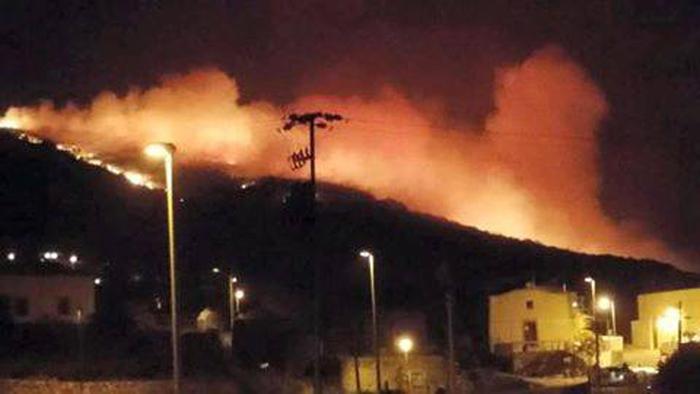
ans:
(532, 319)
(47, 297)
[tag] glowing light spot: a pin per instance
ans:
(136, 178)
(9, 122)
(668, 322)
(405, 344)
(113, 169)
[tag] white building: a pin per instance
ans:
(46, 297)
(532, 319)
(661, 315)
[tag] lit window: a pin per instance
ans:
(529, 304)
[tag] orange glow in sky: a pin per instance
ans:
(530, 171)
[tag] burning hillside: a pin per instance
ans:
(529, 172)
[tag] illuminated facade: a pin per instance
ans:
(659, 315)
(63, 298)
(532, 319)
(416, 374)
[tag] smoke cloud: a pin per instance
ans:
(530, 172)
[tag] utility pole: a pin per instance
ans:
(680, 323)
(596, 371)
(449, 301)
(297, 160)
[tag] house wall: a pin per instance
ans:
(43, 294)
(37, 386)
(552, 311)
(428, 373)
(645, 331)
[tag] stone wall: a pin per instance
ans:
(32, 386)
(422, 373)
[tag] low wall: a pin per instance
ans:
(32, 386)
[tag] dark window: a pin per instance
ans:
(21, 307)
(4, 307)
(529, 304)
(530, 331)
(63, 306)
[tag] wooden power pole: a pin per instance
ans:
(298, 160)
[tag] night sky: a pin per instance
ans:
(644, 55)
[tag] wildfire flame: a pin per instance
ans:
(134, 177)
(529, 172)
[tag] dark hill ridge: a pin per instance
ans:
(51, 199)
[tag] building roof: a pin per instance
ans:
(669, 292)
(531, 287)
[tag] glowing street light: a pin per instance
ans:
(160, 150)
(605, 304)
(50, 255)
(166, 151)
(669, 321)
(97, 281)
(239, 295)
(232, 280)
(11, 256)
(215, 270)
(370, 259)
(73, 259)
(405, 345)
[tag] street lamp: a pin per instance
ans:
(605, 304)
(370, 259)
(232, 280)
(405, 345)
(591, 281)
(239, 295)
(166, 151)
(231, 286)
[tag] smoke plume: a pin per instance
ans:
(530, 171)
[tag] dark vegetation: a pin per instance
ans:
(50, 199)
(681, 373)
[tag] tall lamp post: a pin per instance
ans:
(166, 151)
(591, 281)
(370, 259)
(232, 280)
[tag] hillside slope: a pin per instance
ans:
(256, 228)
